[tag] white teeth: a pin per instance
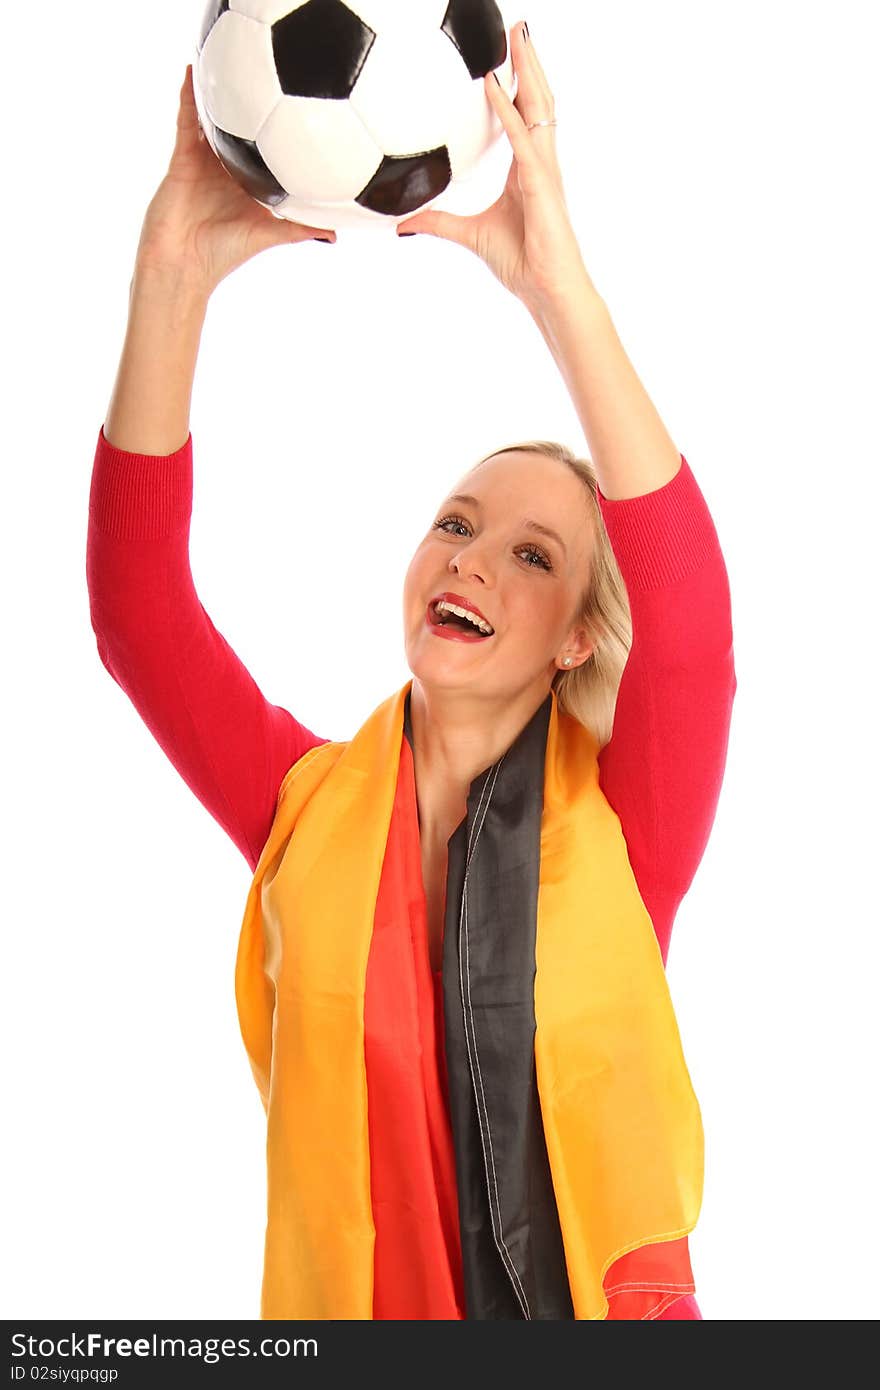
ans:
(443, 606)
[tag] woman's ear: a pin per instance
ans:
(579, 645)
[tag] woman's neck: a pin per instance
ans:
(455, 738)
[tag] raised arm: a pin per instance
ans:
(663, 766)
(229, 743)
(662, 769)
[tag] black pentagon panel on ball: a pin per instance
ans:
(246, 165)
(213, 12)
(476, 27)
(320, 50)
(403, 183)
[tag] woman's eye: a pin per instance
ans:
(457, 520)
(544, 562)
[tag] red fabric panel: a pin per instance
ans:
(644, 1283)
(418, 1267)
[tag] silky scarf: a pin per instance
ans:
(578, 1144)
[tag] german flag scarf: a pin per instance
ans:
(577, 1141)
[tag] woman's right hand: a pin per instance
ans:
(201, 225)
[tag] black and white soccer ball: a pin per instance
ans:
(351, 112)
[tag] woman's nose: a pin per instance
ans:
(472, 563)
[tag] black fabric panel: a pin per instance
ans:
(514, 1261)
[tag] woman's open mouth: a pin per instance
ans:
(444, 621)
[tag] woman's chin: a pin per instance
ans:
(447, 669)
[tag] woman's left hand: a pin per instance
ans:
(526, 237)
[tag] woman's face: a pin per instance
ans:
(525, 582)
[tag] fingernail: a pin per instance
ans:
(407, 233)
(525, 31)
(495, 75)
(328, 239)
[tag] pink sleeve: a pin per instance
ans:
(663, 765)
(228, 742)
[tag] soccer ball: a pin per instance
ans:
(351, 114)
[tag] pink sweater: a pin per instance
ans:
(661, 770)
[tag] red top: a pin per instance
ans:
(661, 771)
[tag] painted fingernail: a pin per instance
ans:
(525, 31)
(328, 239)
(407, 234)
(497, 78)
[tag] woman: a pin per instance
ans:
(448, 978)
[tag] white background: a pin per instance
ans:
(720, 170)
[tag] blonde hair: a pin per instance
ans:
(589, 692)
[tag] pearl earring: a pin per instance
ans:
(567, 661)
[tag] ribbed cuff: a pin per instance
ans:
(140, 496)
(662, 536)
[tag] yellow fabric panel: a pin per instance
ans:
(300, 977)
(622, 1124)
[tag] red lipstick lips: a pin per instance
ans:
(451, 630)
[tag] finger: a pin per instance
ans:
(298, 232)
(440, 224)
(187, 93)
(510, 118)
(188, 124)
(533, 101)
(536, 84)
(301, 231)
(281, 231)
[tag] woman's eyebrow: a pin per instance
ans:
(545, 531)
(526, 522)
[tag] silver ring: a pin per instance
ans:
(537, 123)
